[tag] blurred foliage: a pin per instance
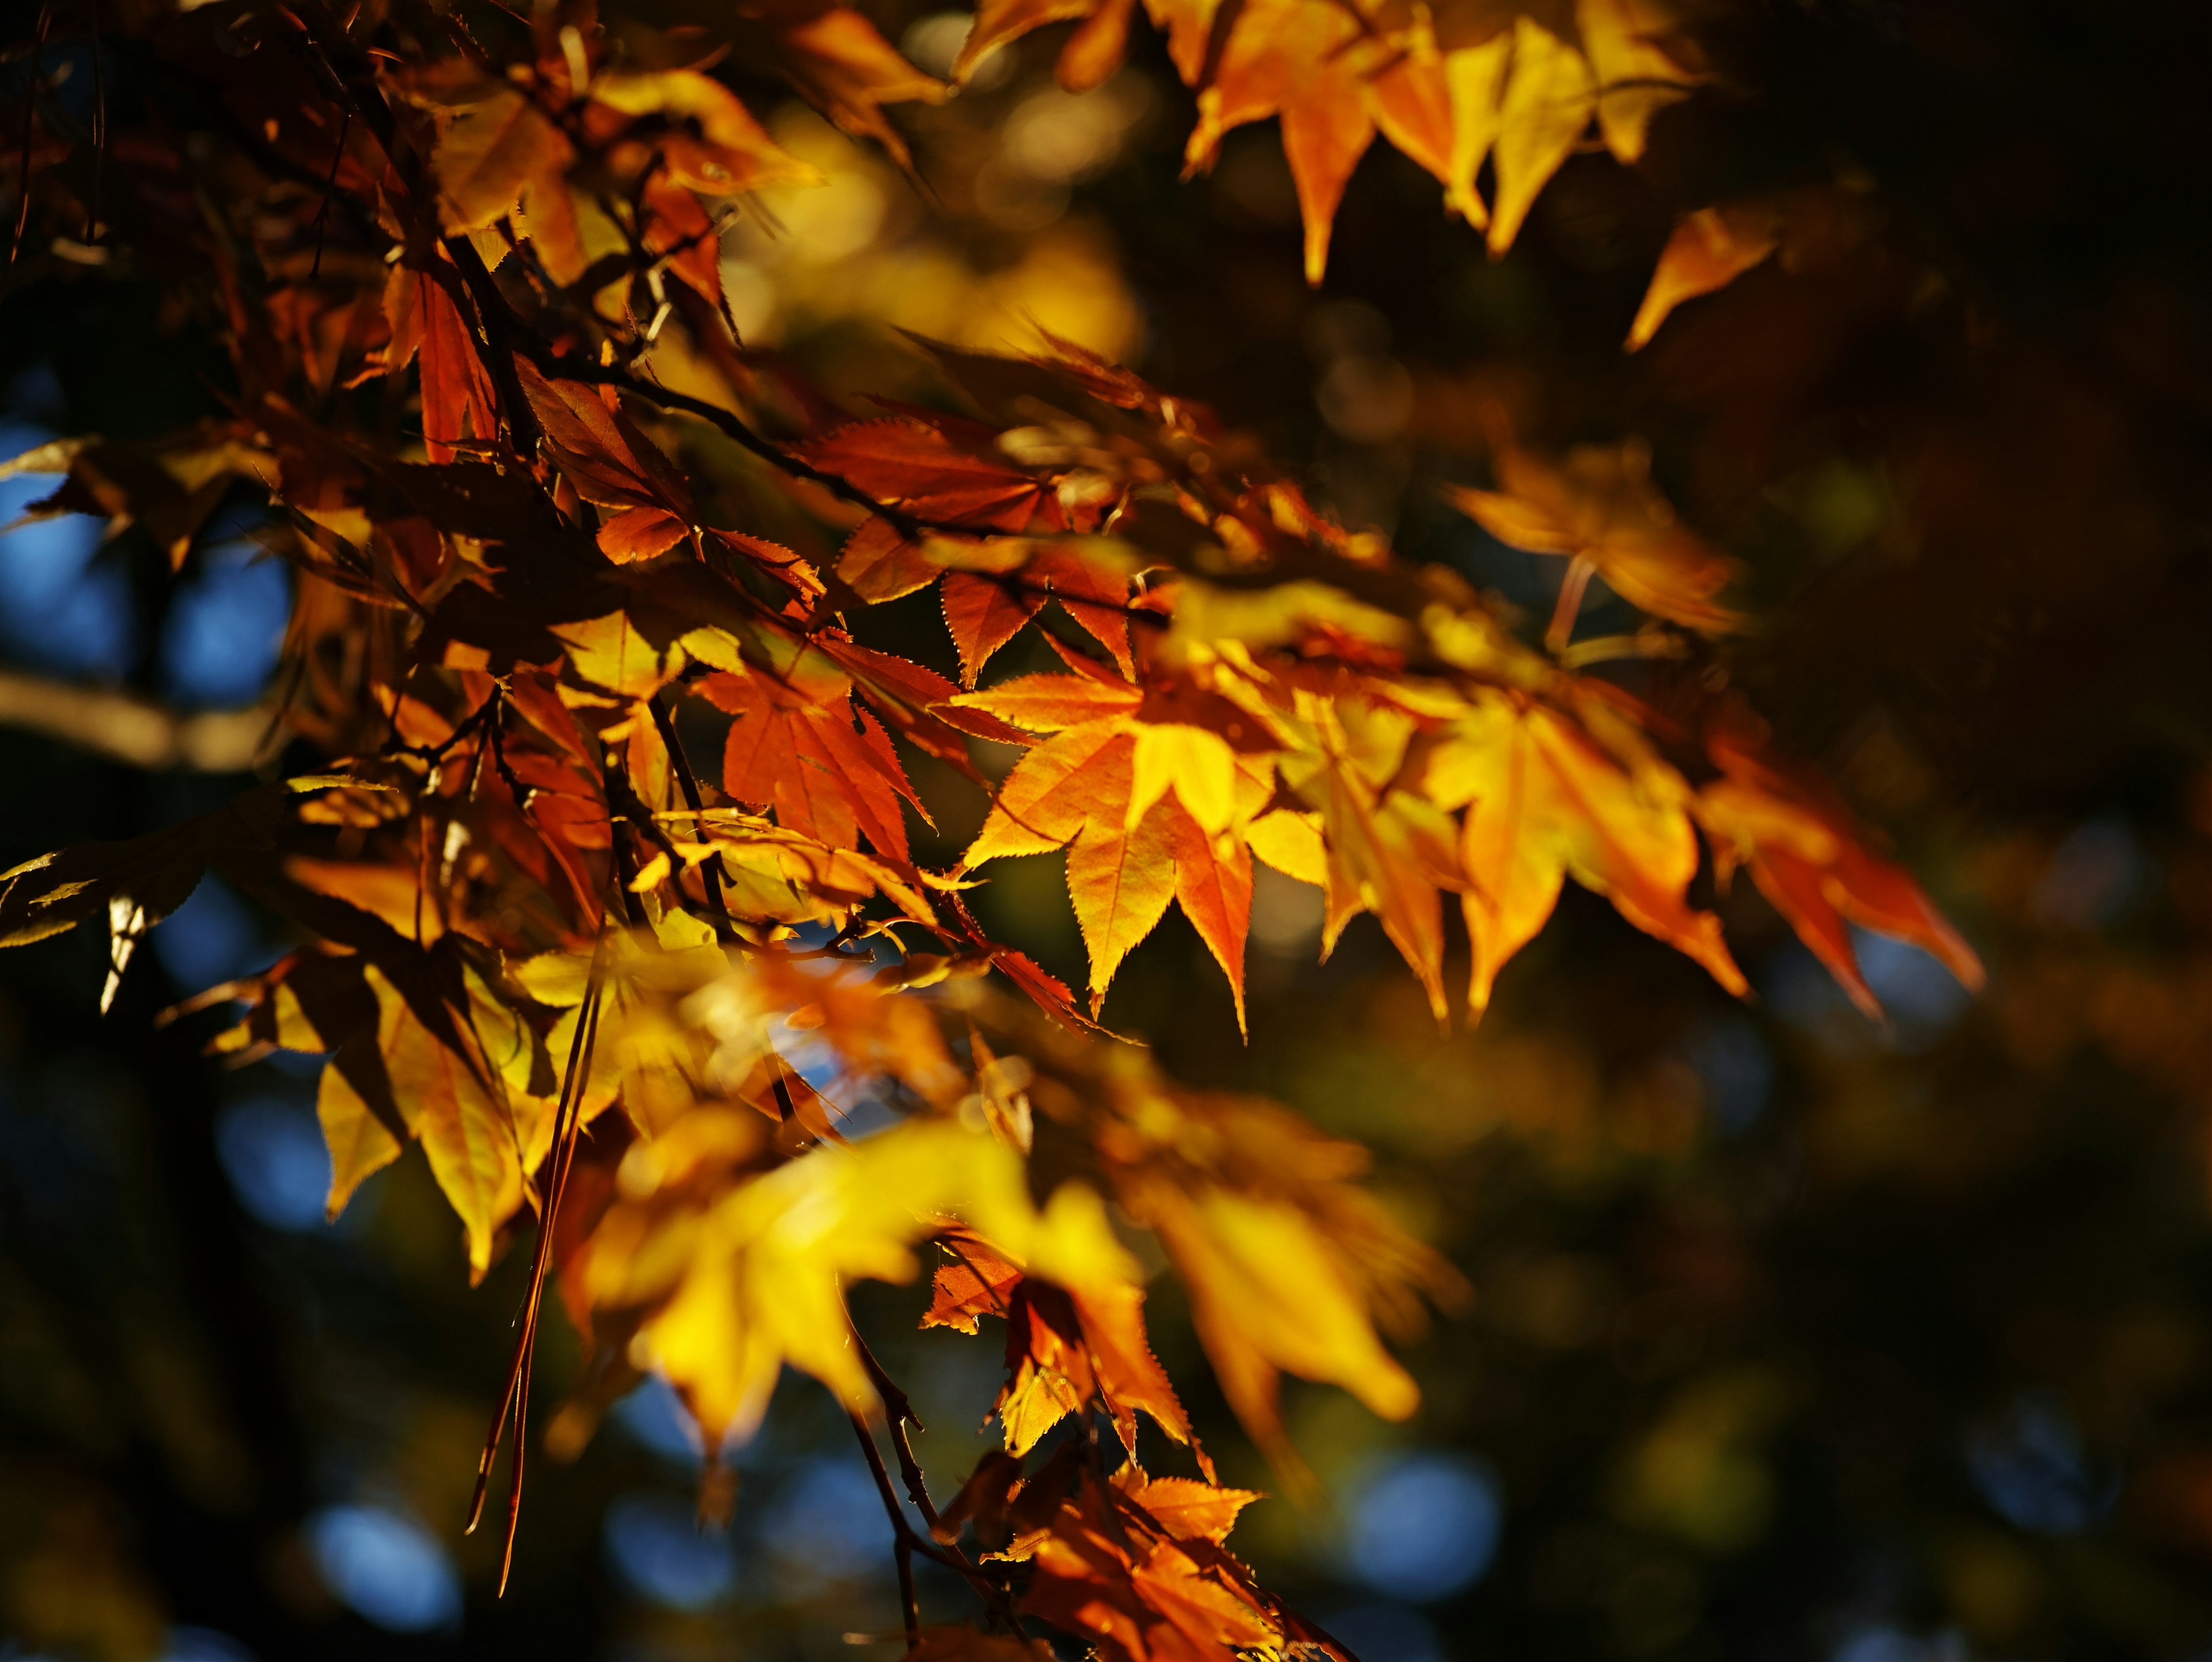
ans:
(1790, 1335)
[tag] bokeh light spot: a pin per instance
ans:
(202, 1645)
(214, 936)
(386, 1569)
(656, 1547)
(2033, 1471)
(1423, 1527)
(225, 626)
(654, 1416)
(827, 1523)
(275, 1158)
(61, 609)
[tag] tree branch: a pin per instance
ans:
(355, 81)
(573, 368)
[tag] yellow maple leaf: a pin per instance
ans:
(757, 1279)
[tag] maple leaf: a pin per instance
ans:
(1286, 1260)
(1148, 811)
(839, 63)
(985, 1500)
(489, 150)
(710, 142)
(1160, 1604)
(827, 767)
(460, 406)
(1543, 800)
(1709, 250)
(1448, 88)
(918, 465)
(1809, 857)
(609, 463)
(135, 884)
(169, 486)
(1063, 1348)
(1803, 228)
(447, 1098)
(1310, 63)
(761, 1281)
(1090, 579)
(419, 1051)
(1599, 506)
(983, 614)
(1372, 845)
(977, 1282)
(1183, 1508)
(508, 636)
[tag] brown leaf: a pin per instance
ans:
(976, 1282)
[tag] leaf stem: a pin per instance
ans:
(1562, 630)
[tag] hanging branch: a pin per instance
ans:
(902, 1536)
(357, 93)
(909, 1545)
(30, 128)
(514, 1400)
(99, 129)
(330, 184)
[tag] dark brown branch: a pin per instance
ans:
(99, 128)
(732, 427)
(688, 782)
(358, 94)
(898, 1409)
(911, 1545)
(902, 1536)
(30, 129)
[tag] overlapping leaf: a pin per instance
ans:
(1517, 84)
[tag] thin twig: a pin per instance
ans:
(912, 1544)
(99, 128)
(30, 128)
(898, 1409)
(901, 1531)
(567, 1121)
(906, 524)
(688, 782)
(323, 213)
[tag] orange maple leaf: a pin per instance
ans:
(826, 766)
(1600, 507)
(1150, 811)
(1809, 857)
